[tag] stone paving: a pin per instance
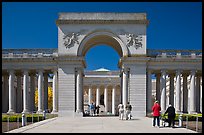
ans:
(97, 125)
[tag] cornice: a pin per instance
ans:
(175, 60)
(59, 22)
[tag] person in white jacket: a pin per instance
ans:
(121, 111)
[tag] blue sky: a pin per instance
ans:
(173, 25)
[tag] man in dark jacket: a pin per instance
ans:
(171, 115)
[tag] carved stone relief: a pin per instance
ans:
(134, 40)
(70, 40)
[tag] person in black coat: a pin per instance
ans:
(171, 115)
(97, 109)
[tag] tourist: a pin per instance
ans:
(128, 110)
(92, 109)
(171, 115)
(156, 113)
(121, 111)
(97, 109)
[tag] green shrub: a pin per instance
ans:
(191, 117)
(16, 117)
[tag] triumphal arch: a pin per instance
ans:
(74, 88)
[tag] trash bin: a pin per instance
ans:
(23, 119)
(180, 120)
(44, 114)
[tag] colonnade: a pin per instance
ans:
(180, 101)
(79, 92)
(105, 89)
(19, 95)
(22, 97)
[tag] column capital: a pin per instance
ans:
(193, 71)
(90, 86)
(114, 85)
(78, 68)
(11, 71)
(25, 71)
(125, 69)
(98, 86)
(178, 71)
(163, 71)
(105, 86)
(40, 70)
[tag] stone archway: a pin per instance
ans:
(96, 38)
(78, 32)
(102, 37)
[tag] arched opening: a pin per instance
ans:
(102, 81)
(102, 56)
(102, 37)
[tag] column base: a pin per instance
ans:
(178, 112)
(26, 111)
(192, 112)
(11, 112)
(54, 112)
(78, 114)
(40, 111)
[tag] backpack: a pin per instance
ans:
(92, 106)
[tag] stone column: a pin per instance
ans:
(25, 92)
(106, 98)
(198, 94)
(149, 91)
(54, 91)
(192, 92)
(11, 92)
(45, 91)
(121, 87)
(19, 94)
(113, 99)
(185, 93)
(178, 91)
(90, 94)
(201, 98)
(171, 89)
(40, 88)
(98, 95)
(32, 92)
(158, 86)
(79, 91)
(125, 86)
(163, 91)
(6, 94)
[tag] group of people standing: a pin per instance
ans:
(157, 114)
(125, 112)
(94, 110)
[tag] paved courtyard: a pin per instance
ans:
(97, 125)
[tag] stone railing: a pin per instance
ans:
(29, 53)
(175, 53)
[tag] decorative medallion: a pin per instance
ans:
(134, 40)
(70, 40)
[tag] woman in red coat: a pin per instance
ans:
(156, 113)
